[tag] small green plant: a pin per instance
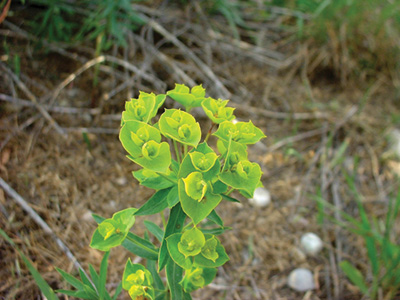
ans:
(190, 181)
(382, 249)
(91, 288)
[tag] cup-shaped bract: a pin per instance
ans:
(217, 111)
(188, 98)
(203, 162)
(197, 277)
(243, 175)
(201, 159)
(180, 126)
(185, 262)
(112, 232)
(195, 186)
(143, 142)
(137, 280)
(142, 109)
(241, 132)
(197, 209)
(212, 254)
(191, 243)
(209, 249)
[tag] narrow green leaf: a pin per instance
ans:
(215, 231)
(213, 216)
(152, 267)
(354, 275)
(174, 276)
(175, 223)
(140, 247)
(85, 279)
(229, 198)
(158, 202)
(154, 229)
(98, 219)
(103, 275)
(95, 276)
(173, 196)
(71, 280)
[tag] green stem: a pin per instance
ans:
(141, 245)
(178, 157)
(185, 149)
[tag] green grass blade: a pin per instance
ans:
(354, 275)
(42, 284)
(117, 291)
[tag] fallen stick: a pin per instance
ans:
(56, 109)
(46, 228)
(33, 98)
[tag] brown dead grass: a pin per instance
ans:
(65, 181)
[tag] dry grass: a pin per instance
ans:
(64, 180)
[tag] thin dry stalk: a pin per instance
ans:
(56, 109)
(32, 97)
(38, 220)
(219, 86)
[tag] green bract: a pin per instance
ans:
(197, 277)
(212, 254)
(242, 132)
(188, 98)
(243, 175)
(180, 126)
(203, 162)
(142, 109)
(195, 186)
(209, 249)
(191, 243)
(112, 232)
(217, 111)
(152, 180)
(137, 280)
(142, 142)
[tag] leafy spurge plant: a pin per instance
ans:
(190, 179)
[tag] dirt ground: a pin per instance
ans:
(307, 116)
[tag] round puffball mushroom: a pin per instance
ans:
(301, 280)
(261, 197)
(311, 243)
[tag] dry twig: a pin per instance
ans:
(38, 220)
(32, 97)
